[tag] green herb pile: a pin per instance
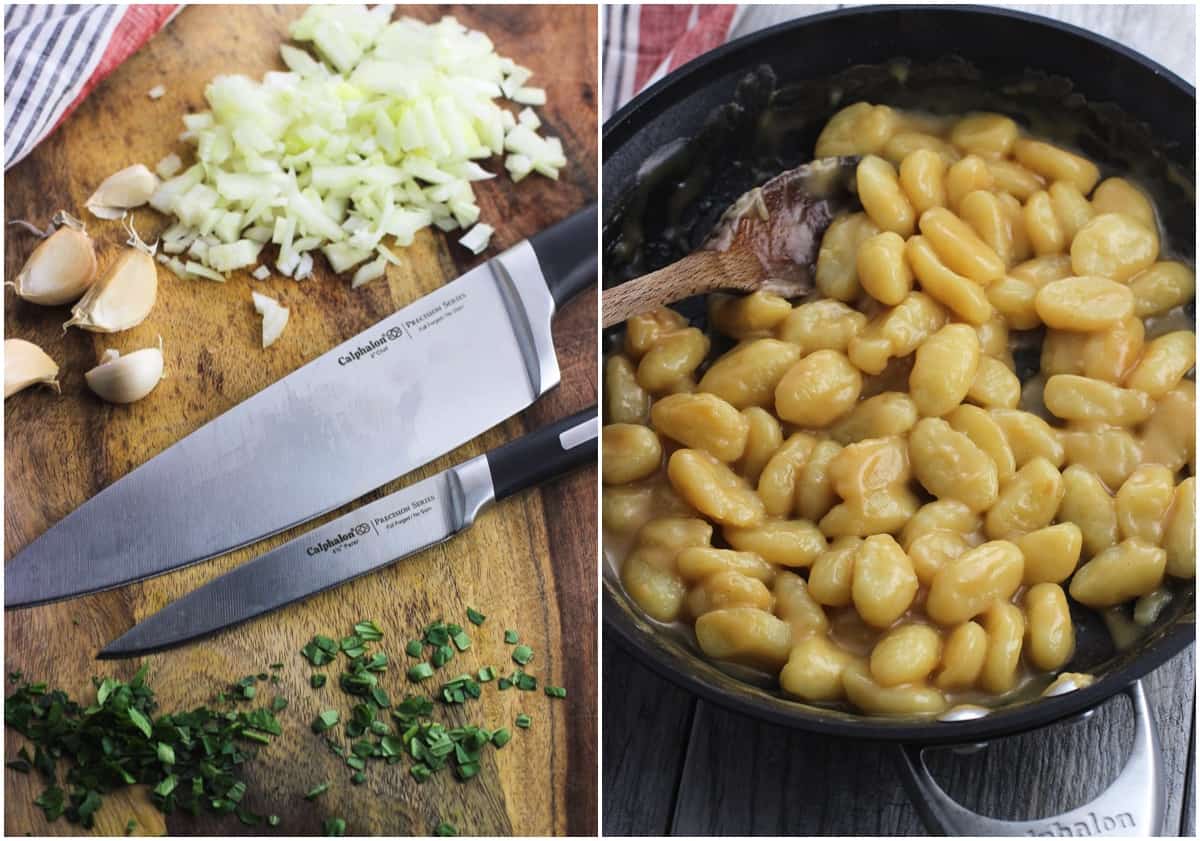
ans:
(377, 730)
(191, 760)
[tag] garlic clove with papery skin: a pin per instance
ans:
(131, 187)
(59, 270)
(26, 364)
(128, 378)
(123, 296)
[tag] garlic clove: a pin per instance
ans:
(25, 364)
(59, 270)
(275, 317)
(122, 298)
(128, 378)
(131, 187)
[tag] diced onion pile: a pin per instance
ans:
(379, 138)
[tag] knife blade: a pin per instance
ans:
(368, 411)
(373, 536)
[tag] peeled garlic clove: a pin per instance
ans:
(128, 378)
(275, 317)
(122, 298)
(131, 187)
(25, 364)
(59, 270)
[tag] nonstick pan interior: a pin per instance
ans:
(678, 154)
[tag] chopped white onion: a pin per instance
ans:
(477, 238)
(261, 273)
(274, 316)
(156, 92)
(380, 135)
(198, 270)
(168, 166)
(529, 96)
(369, 272)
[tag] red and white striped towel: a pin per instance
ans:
(644, 43)
(55, 55)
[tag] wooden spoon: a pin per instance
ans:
(767, 240)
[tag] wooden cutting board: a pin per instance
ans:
(528, 563)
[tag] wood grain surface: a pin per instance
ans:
(529, 563)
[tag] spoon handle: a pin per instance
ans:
(696, 274)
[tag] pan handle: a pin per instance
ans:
(1133, 805)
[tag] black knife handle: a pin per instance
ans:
(548, 452)
(566, 251)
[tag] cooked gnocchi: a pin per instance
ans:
(859, 495)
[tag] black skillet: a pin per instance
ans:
(676, 156)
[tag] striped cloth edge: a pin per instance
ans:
(642, 44)
(54, 56)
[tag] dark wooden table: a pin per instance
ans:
(676, 765)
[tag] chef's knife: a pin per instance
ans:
(373, 536)
(423, 381)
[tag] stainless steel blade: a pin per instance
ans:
(416, 385)
(371, 537)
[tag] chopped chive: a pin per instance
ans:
(522, 654)
(446, 830)
(475, 616)
(377, 663)
(130, 826)
(414, 648)
(315, 654)
(317, 681)
(524, 721)
(556, 692)
(442, 655)
(273, 820)
(368, 631)
(277, 665)
(461, 641)
(511, 637)
(352, 646)
(421, 772)
(526, 683)
(359, 778)
(486, 673)
(437, 634)
(316, 791)
(334, 827)
(420, 672)
(278, 704)
(166, 754)
(504, 683)
(325, 720)
(501, 737)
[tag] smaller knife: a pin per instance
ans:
(369, 538)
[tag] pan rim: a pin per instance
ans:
(1000, 723)
(1003, 722)
(691, 69)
